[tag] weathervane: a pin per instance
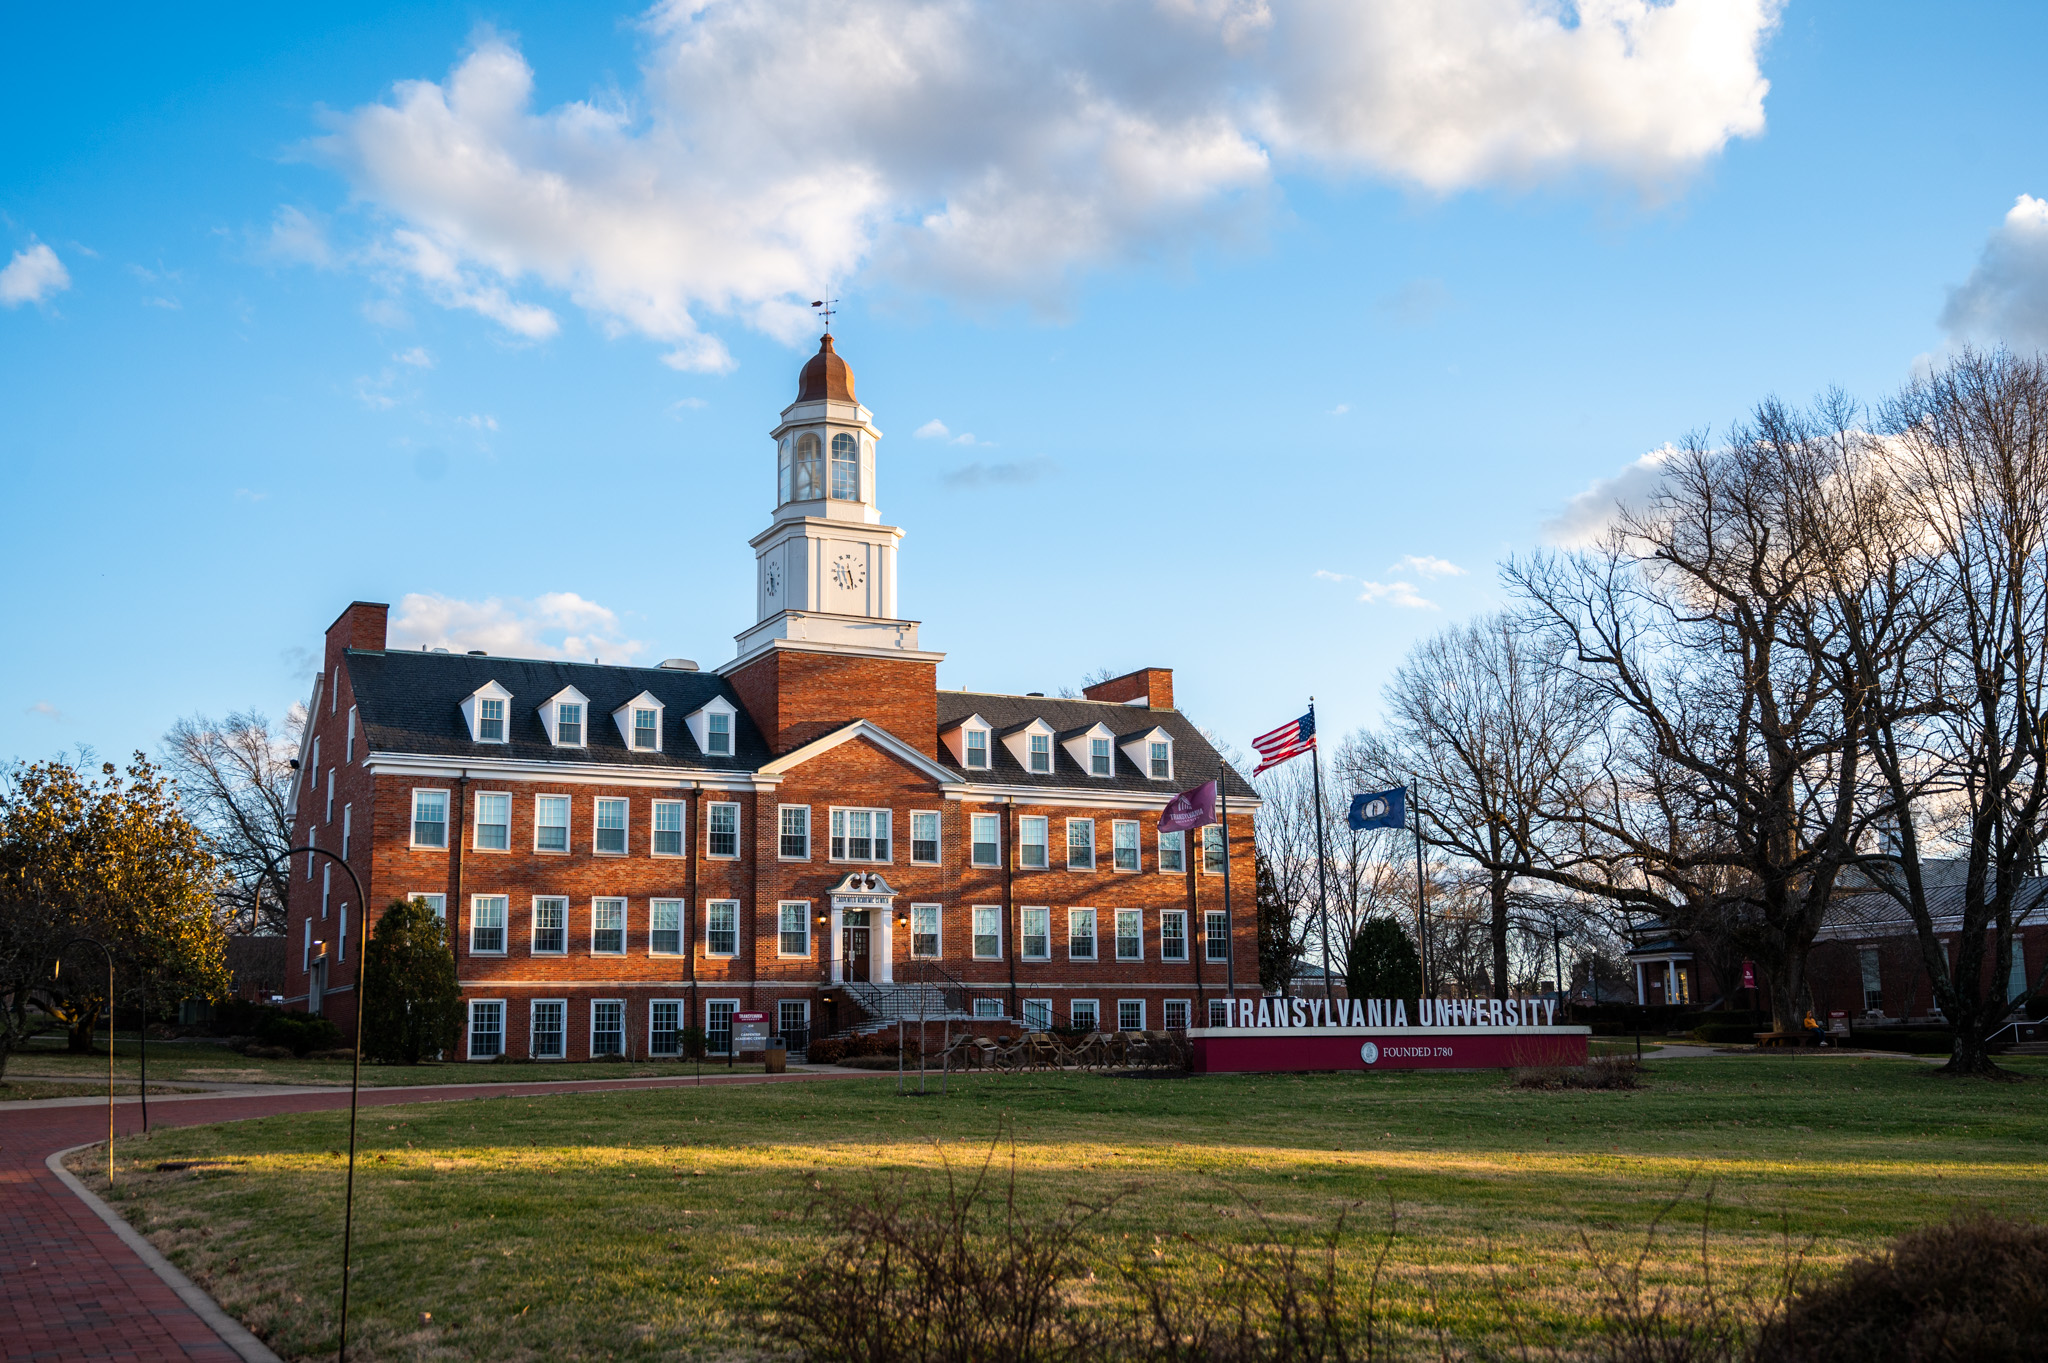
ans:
(826, 307)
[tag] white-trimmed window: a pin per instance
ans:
(550, 823)
(569, 724)
(1036, 943)
(646, 729)
(793, 935)
(794, 832)
(985, 830)
(718, 1025)
(924, 930)
(717, 734)
(987, 1009)
(548, 1029)
(437, 902)
(487, 925)
(722, 927)
(1083, 1015)
(326, 885)
(860, 834)
(316, 760)
(924, 837)
(1176, 1014)
(486, 1029)
(608, 927)
(1041, 753)
(1130, 1015)
(1150, 751)
(1219, 1012)
(1172, 851)
(988, 932)
(1123, 835)
(1216, 935)
(1130, 934)
(351, 741)
(490, 719)
(550, 925)
(1100, 760)
(667, 839)
(493, 821)
(1212, 849)
(1173, 934)
(1037, 1014)
(329, 817)
(429, 819)
(1080, 934)
(1031, 837)
(1080, 844)
(608, 834)
(1159, 759)
(665, 927)
(665, 1028)
(845, 467)
(975, 746)
(793, 1022)
(348, 823)
(341, 934)
(721, 831)
(306, 947)
(607, 1027)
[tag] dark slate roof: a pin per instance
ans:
(412, 703)
(1194, 759)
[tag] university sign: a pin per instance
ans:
(1272, 1035)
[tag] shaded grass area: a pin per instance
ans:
(172, 1061)
(653, 1223)
(24, 1090)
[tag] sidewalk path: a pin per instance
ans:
(70, 1290)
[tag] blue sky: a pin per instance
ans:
(1257, 340)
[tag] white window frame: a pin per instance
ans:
(1187, 1014)
(710, 907)
(682, 1007)
(710, 845)
(1018, 741)
(533, 1008)
(1024, 843)
(473, 713)
(435, 901)
(350, 751)
(625, 828)
(413, 831)
(974, 843)
(655, 830)
(1137, 748)
(470, 1031)
(1203, 844)
(1179, 842)
(1122, 1004)
(882, 819)
(1094, 935)
(1211, 939)
(968, 747)
(625, 923)
(1073, 824)
(785, 911)
(551, 717)
(330, 797)
(717, 727)
(568, 827)
(782, 813)
(326, 886)
(1037, 1015)
(938, 849)
(654, 909)
(700, 726)
(1222, 1006)
(803, 1015)
(1024, 934)
(1094, 1007)
(1124, 916)
(1117, 831)
(1179, 916)
(504, 906)
(348, 823)
(978, 914)
(533, 946)
(477, 822)
(989, 1010)
(1037, 746)
(937, 917)
(732, 1007)
(627, 715)
(590, 1042)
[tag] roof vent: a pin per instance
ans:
(440, 650)
(1034, 695)
(679, 664)
(478, 653)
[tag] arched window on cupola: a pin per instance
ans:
(845, 467)
(782, 472)
(809, 482)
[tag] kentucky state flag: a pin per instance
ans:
(1380, 809)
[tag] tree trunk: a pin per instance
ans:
(79, 1035)
(1787, 977)
(1499, 927)
(1971, 1058)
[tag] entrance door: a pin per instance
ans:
(854, 949)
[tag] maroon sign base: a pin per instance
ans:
(1262, 1050)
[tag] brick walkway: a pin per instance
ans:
(70, 1290)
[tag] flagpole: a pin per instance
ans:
(1197, 946)
(1322, 855)
(1229, 924)
(1421, 892)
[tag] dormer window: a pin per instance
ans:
(968, 742)
(485, 711)
(713, 726)
(718, 734)
(563, 715)
(1093, 749)
(1041, 752)
(1030, 746)
(1098, 757)
(639, 721)
(1150, 751)
(977, 748)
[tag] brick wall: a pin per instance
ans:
(795, 697)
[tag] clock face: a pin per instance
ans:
(848, 572)
(771, 578)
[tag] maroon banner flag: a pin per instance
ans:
(1189, 809)
(1749, 974)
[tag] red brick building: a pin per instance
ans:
(813, 830)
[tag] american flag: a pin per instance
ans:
(1291, 739)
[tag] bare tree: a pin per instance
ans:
(1286, 834)
(234, 781)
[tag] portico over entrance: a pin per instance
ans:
(863, 905)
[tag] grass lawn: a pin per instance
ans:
(22, 1090)
(172, 1061)
(647, 1224)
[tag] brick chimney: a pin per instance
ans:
(1152, 685)
(360, 626)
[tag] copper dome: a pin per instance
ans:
(825, 375)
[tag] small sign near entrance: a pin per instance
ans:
(749, 1032)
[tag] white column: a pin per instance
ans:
(832, 946)
(887, 943)
(1642, 996)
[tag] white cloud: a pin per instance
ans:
(1013, 473)
(2006, 296)
(32, 276)
(45, 709)
(478, 421)
(1424, 566)
(980, 150)
(556, 625)
(296, 237)
(934, 429)
(1586, 517)
(417, 357)
(1401, 594)
(1340, 409)
(1326, 575)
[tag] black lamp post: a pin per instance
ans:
(57, 971)
(355, 1084)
